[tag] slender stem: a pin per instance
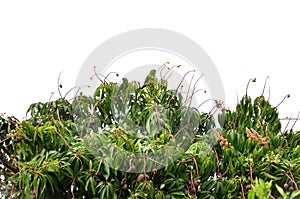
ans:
(269, 94)
(217, 160)
(196, 165)
(287, 96)
(170, 70)
(287, 124)
(59, 86)
(183, 79)
(205, 102)
(110, 74)
(296, 120)
(194, 88)
(188, 91)
(161, 67)
(264, 86)
(243, 193)
(248, 86)
(251, 177)
(65, 141)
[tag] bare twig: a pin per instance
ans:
(251, 177)
(59, 86)
(264, 86)
(287, 124)
(243, 193)
(169, 71)
(250, 80)
(287, 96)
(196, 165)
(217, 160)
(296, 120)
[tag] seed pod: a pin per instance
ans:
(285, 185)
(248, 187)
(123, 181)
(197, 182)
(291, 189)
(147, 187)
(222, 143)
(193, 190)
(132, 169)
(142, 177)
(18, 139)
(154, 171)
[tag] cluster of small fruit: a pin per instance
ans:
(254, 135)
(289, 186)
(223, 141)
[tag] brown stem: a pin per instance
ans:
(217, 160)
(65, 141)
(269, 94)
(243, 193)
(194, 88)
(264, 86)
(292, 179)
(253, 80)
(251, 177)
(161, 68)
(188, 91)
(197, 171)
(170, 70)
(179, 131)
(296, 120)
(287, 96)
(205, 102)
(287, 123)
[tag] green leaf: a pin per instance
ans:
(295, 194)
(280, 190)
(251, 194)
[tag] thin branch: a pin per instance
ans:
(243, 193)
(217, 159)
(253, 80)
(194, 88)
(117, 74)
(188, 91)
(67, 93)
(251, 177)
(178, 66)
(59, 86)
(161, 67)
(264, 86)
(205, 102)
(291, 178)
(287, 124)
(65, 141)
(196, 165)
(183, 78)
(296, 120)
(287, 96)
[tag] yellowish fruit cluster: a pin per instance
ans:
(223, 141)
(254, 135)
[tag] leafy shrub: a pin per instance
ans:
(51, 154)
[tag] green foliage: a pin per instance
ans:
(49, 155)
(261, 189)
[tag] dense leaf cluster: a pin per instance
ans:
(60, 153)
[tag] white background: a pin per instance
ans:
(244, 39)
